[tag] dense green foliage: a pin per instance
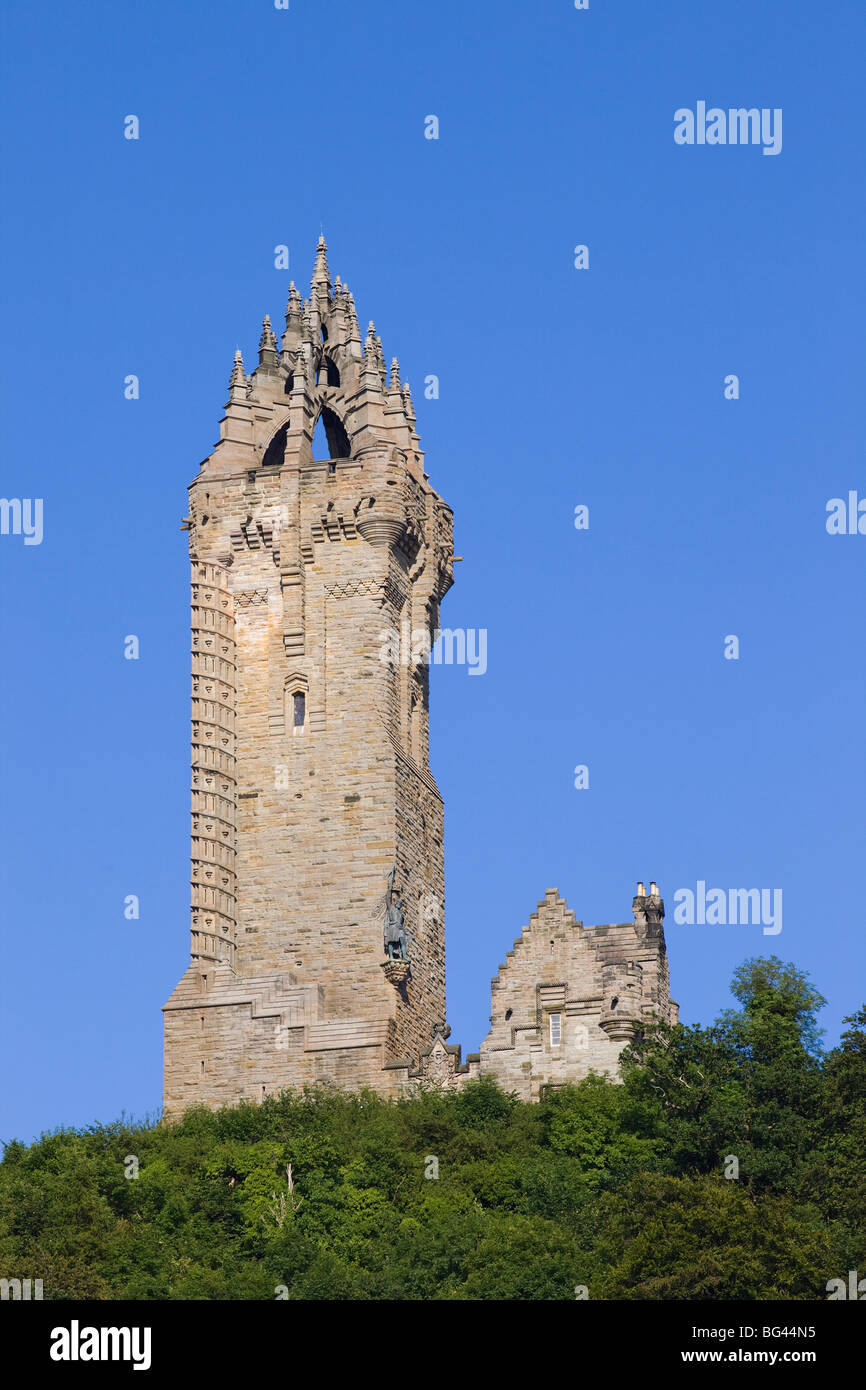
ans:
(618, 1188)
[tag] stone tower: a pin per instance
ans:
(313, 807)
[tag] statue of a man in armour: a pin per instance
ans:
(395, 929)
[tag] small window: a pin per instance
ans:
(299, 709)
(555, 1030)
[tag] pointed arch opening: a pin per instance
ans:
(276, 450)
(330, 440)
(328, 371)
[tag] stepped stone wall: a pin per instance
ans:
(568, 997)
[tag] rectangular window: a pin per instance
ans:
(299, 709)
(555, 1030)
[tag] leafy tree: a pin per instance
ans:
(332, 1196)
(705, 1238)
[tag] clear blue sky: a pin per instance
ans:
(558, 387)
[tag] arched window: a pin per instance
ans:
(330, 440)
(321, 447)
(295, 704)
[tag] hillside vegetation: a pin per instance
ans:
(618, 1190)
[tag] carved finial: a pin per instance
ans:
(372, 371)
(268, 339)
(407, 403)
(394, 384)
(237, 376)
(320, 270)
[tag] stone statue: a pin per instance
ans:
(395, 930)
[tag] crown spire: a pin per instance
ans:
(320, 269)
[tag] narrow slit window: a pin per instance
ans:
(555, 1030)
(299, 709)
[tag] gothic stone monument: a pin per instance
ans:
(317, 927)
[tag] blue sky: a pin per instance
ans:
(559, 387)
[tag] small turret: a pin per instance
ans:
(622, 987)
